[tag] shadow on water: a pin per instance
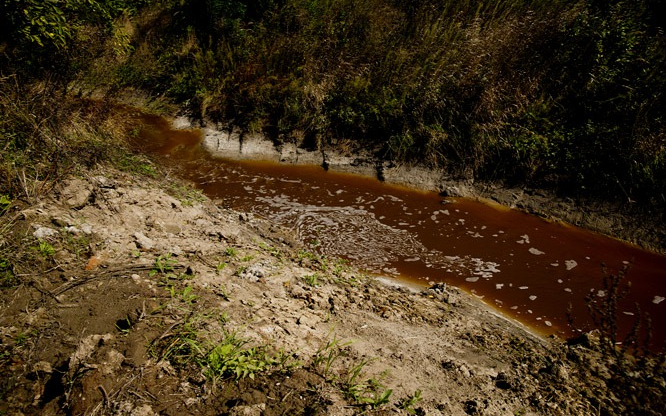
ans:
(525, 267)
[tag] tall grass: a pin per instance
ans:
(564, 94)
(46, 136)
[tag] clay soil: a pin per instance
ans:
(145, 278)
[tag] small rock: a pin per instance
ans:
(73, 230)
(254, 410)
(104, 182)
(44, 232)
(42, 367)
(502, 381)
(114, 360)
(253, 273)
(144, 410)
(143, 242)
(77, 194)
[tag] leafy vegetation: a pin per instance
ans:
(562, 94)
(567, 94)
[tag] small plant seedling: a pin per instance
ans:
(328, 353)
(187, 296)
(163, 264)
(311, 280)
(5, 202)
(407, 404)
(45, 249)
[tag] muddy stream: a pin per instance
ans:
(523, 266)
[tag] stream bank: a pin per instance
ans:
(623, 221)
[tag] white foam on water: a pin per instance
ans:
(570, 264)
(472, 279)
(566, 289)
(658, 299)
(555, 264)
(532, 297)
(548, 323)
(560, 281)
(535, 251)
(601, 293)
(524, 287)
(499, 286)
(628, 313)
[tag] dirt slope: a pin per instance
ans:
(153, 300)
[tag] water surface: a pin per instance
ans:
(524, 266)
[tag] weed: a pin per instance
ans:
(7, 276)
(45, 249)
(247, 258)
(311, 279)
(230, 358)
(187, 195)
(136, 164)
(163, 264)
(231, 252)
(329, 353)
(303, 254)
(77, 244)
(353, 387)
(272, 250)
(223, 318)
(219, 267)
(407, 403)
(178, 345)
(186, 296)
(5, 203)
(366, 392)
(340, 267)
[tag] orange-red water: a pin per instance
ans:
(529, 269)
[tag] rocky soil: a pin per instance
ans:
(153, 300)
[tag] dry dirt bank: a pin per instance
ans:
(153, 300)
(623, 220)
